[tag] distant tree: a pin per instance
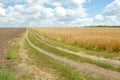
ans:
(105, 26)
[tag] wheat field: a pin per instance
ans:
(99, 38)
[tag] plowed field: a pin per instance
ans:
(6, 37)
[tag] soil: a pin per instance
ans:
(7, 35)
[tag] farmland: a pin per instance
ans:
(6, 37)
(51, 40)
(62, 54)
(103, 40)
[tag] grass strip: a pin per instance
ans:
(66, 71)
(6, 74)
(11, 53)
(71, 56)
(77, 48)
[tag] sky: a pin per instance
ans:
(24, 13)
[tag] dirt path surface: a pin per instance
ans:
(85, 67)
(101, 59)
(6, 36)
(32, 69)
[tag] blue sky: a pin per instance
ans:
(12, 4)
(59, 12)
(95, 7)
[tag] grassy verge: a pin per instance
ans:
(71, 56)
(77, 48)
(64, 70)
(7, 74)
(11, 54)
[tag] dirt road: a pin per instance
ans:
(6, 37)
(85, 67)
(100, 59)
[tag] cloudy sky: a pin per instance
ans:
(20, 13)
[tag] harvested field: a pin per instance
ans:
(6, 36)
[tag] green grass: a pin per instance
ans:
(7, 74)
(65, 71)
(11, 53)
(71, 56)
(77, 48)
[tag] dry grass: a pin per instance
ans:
(99, 38)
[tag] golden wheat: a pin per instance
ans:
(103, 38)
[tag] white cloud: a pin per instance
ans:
(99, 17)
(63, 13)
(60, 11)
(57, 4)
(48, 12)
(110, 15)
(105, 20)
(2, 12)
(112, 9)
(34, 12)
(1, 5)
(36, 1)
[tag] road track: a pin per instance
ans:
(85, 67)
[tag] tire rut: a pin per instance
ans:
(85, 67)
(113, 62)
(33, 69)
